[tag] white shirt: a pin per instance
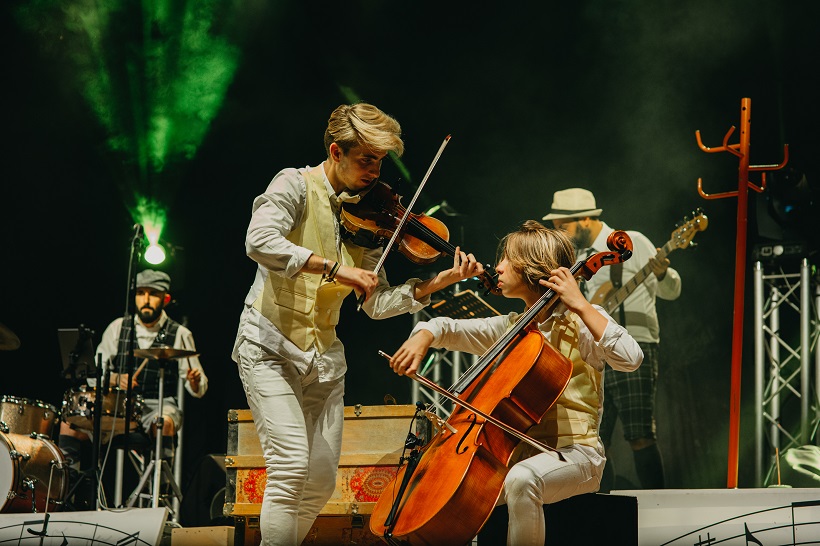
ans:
(639, 307)
(616, 347)
(109, 345)
(275, 214)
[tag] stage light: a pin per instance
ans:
(155, 74)
(155, 254)
(787, 212)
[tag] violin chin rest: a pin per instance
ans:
(362, 237)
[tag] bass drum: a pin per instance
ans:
(24, 416)
(33, 474)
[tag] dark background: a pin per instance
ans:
(603, 95)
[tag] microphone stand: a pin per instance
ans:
(128, 335)
(97, 443)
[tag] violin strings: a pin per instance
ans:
(433, 235)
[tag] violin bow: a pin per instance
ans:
(406, 215)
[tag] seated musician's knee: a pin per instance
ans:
(521, 485)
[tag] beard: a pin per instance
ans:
(149, 314)
(582, 238)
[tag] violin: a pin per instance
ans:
(423, 239)
(447, 489)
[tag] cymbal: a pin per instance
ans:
(8, 341)
(164, 353)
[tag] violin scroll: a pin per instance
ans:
(489, 280)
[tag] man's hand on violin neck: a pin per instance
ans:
(465, 266)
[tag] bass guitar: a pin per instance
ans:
(610, 299)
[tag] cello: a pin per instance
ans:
(447, 489)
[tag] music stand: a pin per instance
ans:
(464, 304)
(77, 352)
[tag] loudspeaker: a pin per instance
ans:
(203, 499)
(590, 519)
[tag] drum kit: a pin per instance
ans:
(33, 470)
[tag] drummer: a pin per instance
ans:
(154, 328)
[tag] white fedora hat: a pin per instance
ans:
(572, 203)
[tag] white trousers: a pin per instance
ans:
(544, 479)
(299, 421)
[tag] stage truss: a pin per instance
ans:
(787, 363)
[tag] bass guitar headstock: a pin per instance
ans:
(685, 232)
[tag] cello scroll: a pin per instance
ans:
(620, 245)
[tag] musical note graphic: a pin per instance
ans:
(132, 539)
(131, 527)
(750, 537)
(701, 542)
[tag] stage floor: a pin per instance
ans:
(701, 517)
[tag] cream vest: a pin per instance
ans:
(305, 308)
(574, 417)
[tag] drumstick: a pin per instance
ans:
(136, 373)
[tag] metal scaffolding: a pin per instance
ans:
(787, 363)
(441, 365)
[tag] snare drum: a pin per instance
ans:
(32, 470)
(24, 416)
(78, 409)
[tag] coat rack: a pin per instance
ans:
(740, 150)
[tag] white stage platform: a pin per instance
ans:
(744, 517)
(127, 527)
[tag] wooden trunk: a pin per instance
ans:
(372, 442)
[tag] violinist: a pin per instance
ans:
(290, 362)
(535, 259)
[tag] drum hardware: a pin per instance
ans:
(80, 363)
(159, 467)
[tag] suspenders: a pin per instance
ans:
(149, 382)
(616, 275)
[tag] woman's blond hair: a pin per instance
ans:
(534, 250)
(363, 124)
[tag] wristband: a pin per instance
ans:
(333, 271)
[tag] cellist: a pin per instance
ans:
(534, 259)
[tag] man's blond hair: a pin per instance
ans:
(363, 124)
